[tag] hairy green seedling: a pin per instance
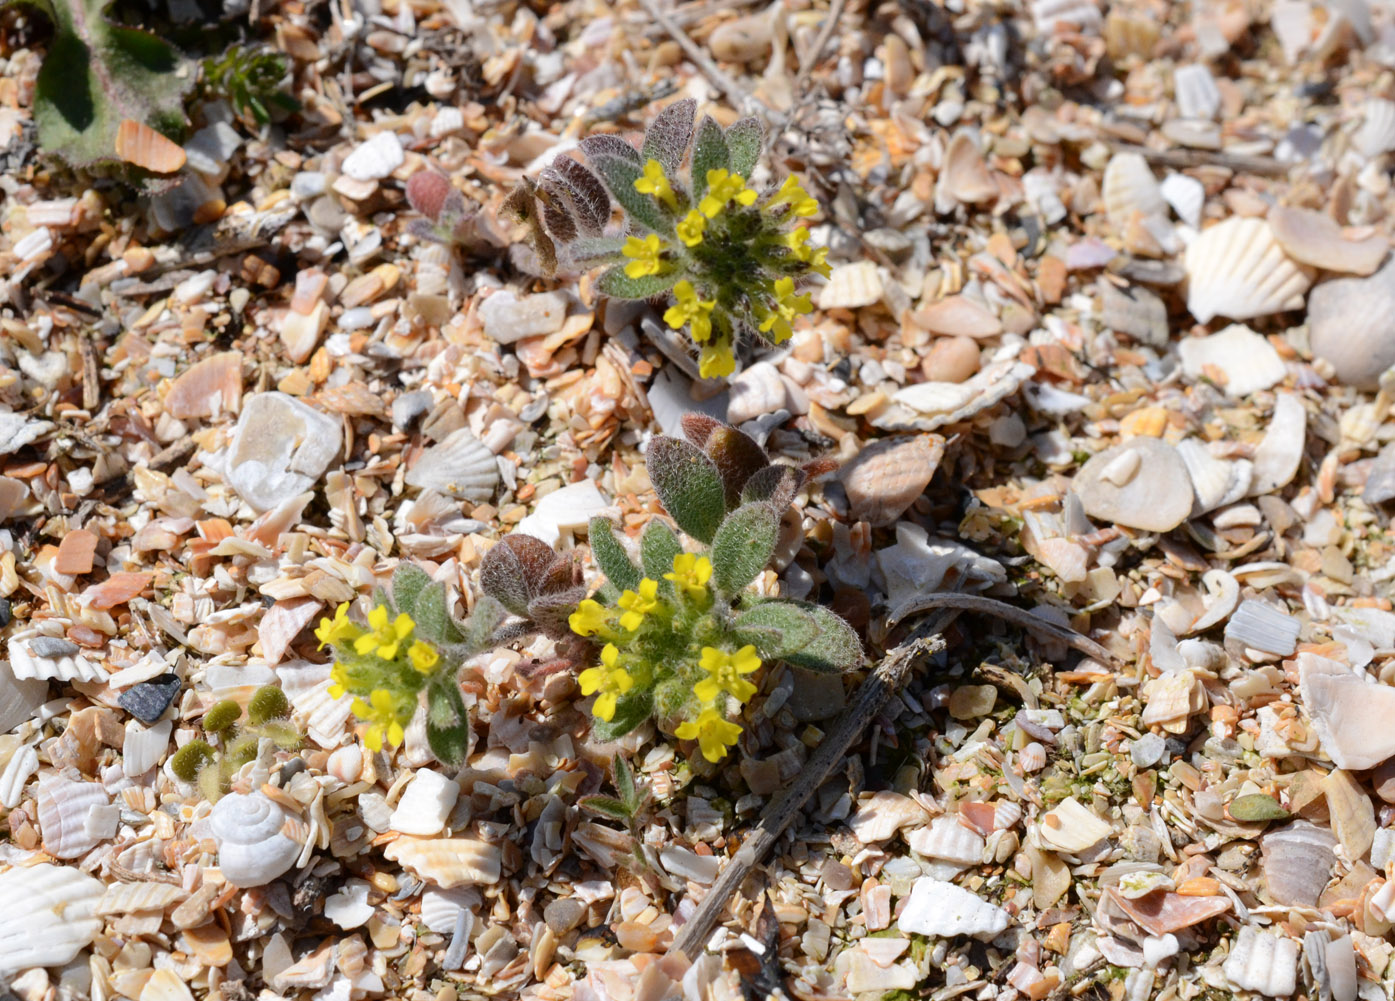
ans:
(212, 768)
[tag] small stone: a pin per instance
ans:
(816, 696)
(1383, 778)
(1148, 750)
(972, 701)
(951, 359)
(148, 701)
(563, 914)
(280, 449)
(742, 40)
(509, 317)
(49, 647)
(301, 332)
(1141, 484)
(1256, 807)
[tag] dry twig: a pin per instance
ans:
(830, 24)
(738, 97)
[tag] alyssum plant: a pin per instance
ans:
(732, 259)
(680, 634)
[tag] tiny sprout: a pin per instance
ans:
(268, 703)
(241, 750)
(221, 715)
(192, 758)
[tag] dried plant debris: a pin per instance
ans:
(502, 446)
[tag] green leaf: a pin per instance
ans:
(625, 784)
(611, 556)
(504, 575)
(744, 143)
(267, 703)
(433, 619)
(709, 153)
(742, 547)
(281, 733)
(96, 75)
(657, 547)
(775, 485)
(618, 285)
(551, 611)
(479, 629)
(605, 806)
(631, 710)
(447, 722)
(1256, 806)
(408, 581)
(619, 177)
(591, 251)
(607, 145)
(668, 135)
(738, 458)
(688, 485)
(777, 629)
(833, 649)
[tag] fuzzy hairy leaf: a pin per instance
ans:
(657, 548)
(447, 722)
(775, 485)
(523, 202)
(777, 629)
(709, 153)
(631, 710)
(611, 555)
(587, 193)
(625, 783)
(556, 213)
(608, 145)
(606, 807)
(743, 546)
(697, 428)
(619, 177)
(618, 285)
(744, 141)
(381, 597)
(668, 135)
(738, 458)
(834, 649)
(433, 618)
(513, 571)
(589, 251)
(484, 621)
(688, 485)
(96, 75)
(408, 581)
(551, 611)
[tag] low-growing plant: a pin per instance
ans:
(680, 634)
(733, 260)
(212, 767)
(252, 80)
(411, 645)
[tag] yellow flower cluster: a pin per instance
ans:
(690, 309)
(655, 183)
(644, 255)
(690, 575)
(725, 673)
(722, 187)
(788, 305)
(609, 679)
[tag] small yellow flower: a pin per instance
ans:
(691, 228)
(611, 680)
(423, 656)
(714, 734)
(339, 630)
(818, 261)
(716, 360)
(655, 183)
(645, 255)
(690, 309)
(787, 307)
(722, 187)
(384, 637)
(381, 712)
(339, 678)
(691, 574)
(724, 673)
(791, 193)
(637, 606)
(590, 618)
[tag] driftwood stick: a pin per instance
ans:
(1244, 163)
(1008, 613)
(738, 97)
(806, 66)
(884, 681)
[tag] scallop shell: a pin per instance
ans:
(461, 466)
(63, 810)
(124, 898)
(1264, 963)
(1084, 15)
(1216, 482)
(448, 862)
(1376, 134)
(1297, 863)
(1280, 452)
(1186, 195)
(306, 685)
(1237, 269)
(440, 908)
(1196, 92)
(945, 838)
(851, 286)
(1129, 188)
(943, 909)
(1349, 326)
(1032, 757)
(885, 478)
(426, 804)
(253, 846)
(1071, 828)
(139, 144)
(144, 746)
(48, 916)
(34, 655)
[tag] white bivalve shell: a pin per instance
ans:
(1130, 187)
(253, 846)
(48, 916)
(1377, 132)
(66, 816)
(945, 838)
(448, 862)
(1186, 195)
(1264, 963)
(943, 909)
(461, 466)
(1071, 828)
(1237, 269)
(1196, 92)
(426, 804)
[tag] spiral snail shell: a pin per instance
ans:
(252, 846)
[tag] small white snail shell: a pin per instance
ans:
(252, 848)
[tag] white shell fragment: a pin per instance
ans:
(1315, 239)
(1071, 828)
(945, 838)
(1280, 452)
(144, 746)
(1263, 627)
(375, 159)
(886, 477)
(565, 511)
(851, 286)
(510, 317)
(885, 813)
(349, 907)
(943, 909)
(461, 466)
(1377, 132)
(1263, 962)
(124, 898)
(1142, 484)
(946, 402)
(1349, 326)
(1186, 195)
(64, 809)
(426, 804)
(280, 449)
(253, 846)
(48, 917)
(1216, 482)
(1238, 359)
(1130, 188)
(1352, 717)
(1195, 91)
(35, 656)
(1237, 269)
(448, 862)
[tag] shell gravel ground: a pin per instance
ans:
(1108, 336)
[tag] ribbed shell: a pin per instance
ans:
(851, 286)
(448, 862)
(1264, 963)
(439, 907)
(1186, 195)
(123, 898)
(1237, 269)
(29, 662)
(943, 909)
(48, 917)
(461, 466)
(1297, 862)
(253, 846)
(18, 770)
(1216, 482)
(63, 808)
(1377, 132)
(1196, 92)
(144, 746)
(1130, 187)
(1263, 627)
(307, 688)
(886, 477)
(946, 838)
